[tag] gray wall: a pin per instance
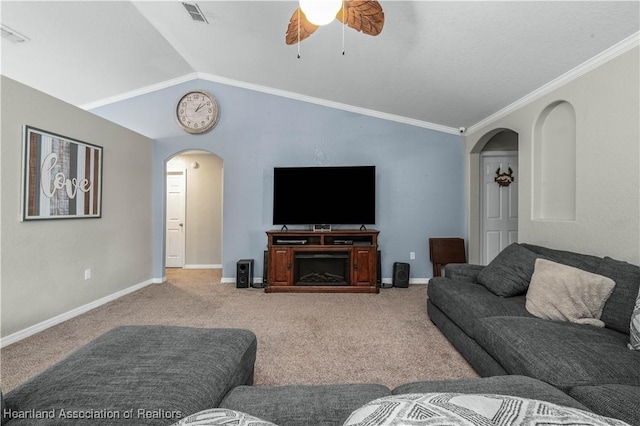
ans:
(43, 262)
(606, 102)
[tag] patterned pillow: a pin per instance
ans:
(470, 409)
(634, 335)
(221, 416)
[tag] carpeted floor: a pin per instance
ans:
(311, 338)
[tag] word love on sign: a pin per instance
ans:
(62, 177)
(50, 184)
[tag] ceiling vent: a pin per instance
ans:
(195, 12)
(12, 35)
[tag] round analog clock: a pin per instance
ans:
(197, 112)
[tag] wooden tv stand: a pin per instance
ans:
(352, 252)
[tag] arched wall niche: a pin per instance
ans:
(554, 163)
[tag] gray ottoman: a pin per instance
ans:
(137, 375)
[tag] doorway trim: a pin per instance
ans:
(165, 172)
(473, 188)
(483, 196)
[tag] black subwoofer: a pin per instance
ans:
(265, 270)
(400, 274)
(244, 273)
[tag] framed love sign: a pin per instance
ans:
(62, 177)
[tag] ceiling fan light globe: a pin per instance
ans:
(320, 12)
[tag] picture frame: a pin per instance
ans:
(62, 177)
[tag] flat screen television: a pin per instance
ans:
(333, 195)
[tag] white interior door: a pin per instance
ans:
(175, 223)
(499, 217)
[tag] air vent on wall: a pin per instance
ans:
(12, 35)
(195, 12)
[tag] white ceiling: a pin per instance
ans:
(448, 63)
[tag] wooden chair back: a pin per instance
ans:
(446, 250)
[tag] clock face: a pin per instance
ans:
(197, 112)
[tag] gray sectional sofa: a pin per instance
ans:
(483, 312)
(159, 375)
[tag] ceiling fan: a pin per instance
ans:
(365, 16)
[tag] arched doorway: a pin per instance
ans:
(193, 206)
(497, 195)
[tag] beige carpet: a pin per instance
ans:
(312, 338)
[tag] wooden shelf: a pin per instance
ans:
(287, 248)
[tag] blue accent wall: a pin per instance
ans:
(420, 172)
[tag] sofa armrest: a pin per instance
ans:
(462, 271)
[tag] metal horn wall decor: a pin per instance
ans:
(361, 15)
(504, 179)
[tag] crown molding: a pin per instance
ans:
(589, 65)
(141, 91)
(270, 91)
(327, 103)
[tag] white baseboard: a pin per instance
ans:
(233, 280)
(411, 280)
(30, 331)
(202, 266)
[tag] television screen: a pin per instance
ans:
(324, 195)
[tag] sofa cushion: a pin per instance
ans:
(509, 273)
(150, 371)
(634, 336)
(462, 271)
(563, 354)
(464, 303)
(522, 386)
(618, 401)
(470, 409)
(221, 416)
(564, 293)
(301, 405)
(617, 310)
(586, 262)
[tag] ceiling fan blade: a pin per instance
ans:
(362, 15)
(306, 28)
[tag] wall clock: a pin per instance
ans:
(197, 112)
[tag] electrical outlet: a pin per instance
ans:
(412, 255)
(87, 274)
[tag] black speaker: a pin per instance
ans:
(244, 273)
(265, 270)
(400, 274)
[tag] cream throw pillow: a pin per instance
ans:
(563, 293)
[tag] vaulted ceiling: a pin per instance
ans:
(440, 63)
